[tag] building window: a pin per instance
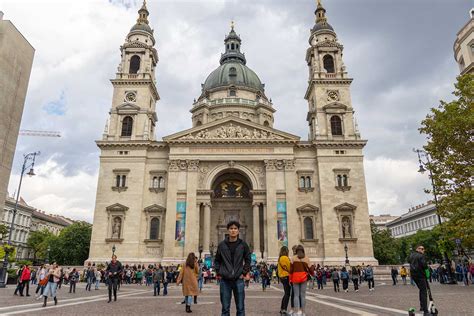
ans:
(161, 182)
(154, 228)
(121, 181)
(127, 125)
(302, 183)
(266, 124)
(155, 183)
(336, 125)
(305, 182)
(308, 228)
(232, 93)
(342, 179)
(328, 63)
(134, 64)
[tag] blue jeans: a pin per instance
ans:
(200, 280)
(188, 299)
(227, 287)
(50, 289)
(156, 288)
(165, 288)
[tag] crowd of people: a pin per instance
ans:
(233, 272)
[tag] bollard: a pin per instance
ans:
(411, 311)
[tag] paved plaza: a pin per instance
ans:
(139, 300)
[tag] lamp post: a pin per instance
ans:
(422, 170)
(26, 165)
(212, 247)
(113, 250)
(200, 251)
(46, 260)
(345, 249)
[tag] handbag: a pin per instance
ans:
(43, 282)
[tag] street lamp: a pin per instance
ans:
(200, 251)
(113, 250)
(422, 170)
(26, 159)
(46, 260)
(212, 247)
(345, 249)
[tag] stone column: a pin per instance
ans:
(207, 227)
(256, 228)
(169, 248)
(191, 242)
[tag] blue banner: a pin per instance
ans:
(179, 235)
(282, 227)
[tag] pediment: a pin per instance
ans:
(155, 208)
(307, 208)
(127, 107)
(117, 207)
(335, 106)
(231, 129)
(345, 207)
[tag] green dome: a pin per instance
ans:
(233, 73)
(142, 27)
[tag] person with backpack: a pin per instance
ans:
(418, 270)
(300, 268)
(319, 278)
(345, 279)
(284, 266)
(355, 278)
(335, 279)
(73, 278)
(369, 276)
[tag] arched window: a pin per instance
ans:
(308, 228)
(124, 181)
(134, 64)
(127, 125)
(232, 72)
(339, 180)
(308, 182)
(117, 181)
(344, 180)
(154, 228)
(155, 183)
(336, 125)
(328, 63)
(198, 123)
(266, 124)
(302, 182)
(232, 46)
(161, 182)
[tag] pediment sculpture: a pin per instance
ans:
(231, 131)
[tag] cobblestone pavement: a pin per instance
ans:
(139, 300)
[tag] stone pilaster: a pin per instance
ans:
(207, 227)
(192, 210)
(256, 228)
(271, 211)
(170, 251)
(292, 216)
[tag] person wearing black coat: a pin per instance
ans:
(418, 266)
(232, 264)
(113, 272)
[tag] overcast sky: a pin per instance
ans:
(400, 54)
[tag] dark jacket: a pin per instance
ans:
(115, 269)
(223, 264)
(417, 265)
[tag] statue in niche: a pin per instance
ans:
(346, 227)
(116, 227)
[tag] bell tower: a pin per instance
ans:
(133, 115)
(330, 113)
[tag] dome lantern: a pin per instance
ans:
(232, 44)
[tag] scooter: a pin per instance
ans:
(431, 307)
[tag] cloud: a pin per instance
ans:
(400, 57)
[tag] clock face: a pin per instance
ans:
(333, 96)
(130, 97)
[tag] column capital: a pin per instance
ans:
(207, 204)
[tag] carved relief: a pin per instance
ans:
(289, 164)
(232, 131)
(193, 165)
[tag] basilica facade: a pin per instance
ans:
(158, 200)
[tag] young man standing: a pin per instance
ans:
(232, 264)
(114, 270)
(418, 267)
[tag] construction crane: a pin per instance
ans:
(27, 132)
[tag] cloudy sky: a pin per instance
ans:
(400, 54)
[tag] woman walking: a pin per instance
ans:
(299, 276)
(187, 277)
(345, 279)
(53, 276)
(41, 275)
(264, 275)
(335, 279)
(73, 278)
(355, 278)
(284, 266)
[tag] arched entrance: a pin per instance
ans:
(231, 200)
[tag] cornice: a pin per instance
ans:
(324, 81)
(339, 143)
(130, 144)
(137, 82)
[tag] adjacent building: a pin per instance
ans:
(464, 46)
(420, 217)
(158, 200)
(382, 220)
(16, 59)
(27, 220)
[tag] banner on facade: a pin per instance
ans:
(180, 223)
(282, 224)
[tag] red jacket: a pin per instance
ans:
(26, 275)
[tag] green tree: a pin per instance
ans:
(430, 239)
(11, 253)
(3, 232)
(71, 247)
(385, 246)
(39, 241)
(450, 143)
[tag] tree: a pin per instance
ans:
(3, 232)
(450, 143)
(430, 239)
(71, 247)
(385, 246)
(39, 241)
